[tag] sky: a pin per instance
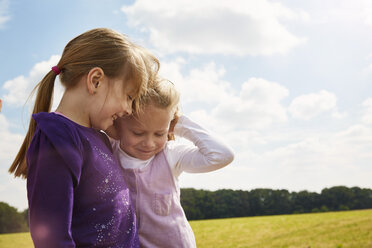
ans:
(286, 84)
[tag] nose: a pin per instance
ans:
(148, 142)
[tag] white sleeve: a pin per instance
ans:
(206, 153)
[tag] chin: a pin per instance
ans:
(148, 156)
(145, 157)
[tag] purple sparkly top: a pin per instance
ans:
(76, 190)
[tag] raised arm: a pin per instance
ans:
(207, 153)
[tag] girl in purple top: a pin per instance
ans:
(76, 192)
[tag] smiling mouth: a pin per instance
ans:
(145, 151)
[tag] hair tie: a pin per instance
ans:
(56, 70)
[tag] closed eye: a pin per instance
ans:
(160, 134)
(137, 133)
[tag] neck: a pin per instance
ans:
(73, 106)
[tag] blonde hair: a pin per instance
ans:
(162, 94)
(101, 47)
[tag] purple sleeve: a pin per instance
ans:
(53, 171)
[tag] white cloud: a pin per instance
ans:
(308, 106)
(20, 88)
(203, 84)
(343, 12)
(4, 17)
(253, 120)
(12, 191)
(9, 142)
(357, 134)
(310, 161)
(257, 104)
(368, 16)
(365, 12)
(242, 27)
(367, 117)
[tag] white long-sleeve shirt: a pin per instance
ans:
(155, 191)
(205, 153)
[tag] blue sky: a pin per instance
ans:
(286, 83)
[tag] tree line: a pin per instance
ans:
(204, 204)
(11, 220)
(226, 203)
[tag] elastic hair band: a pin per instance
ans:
(56, 70)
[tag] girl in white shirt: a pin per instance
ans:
(153, 163)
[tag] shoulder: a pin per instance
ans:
(58, 129)
(51, 121)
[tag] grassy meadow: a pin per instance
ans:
(316, 230)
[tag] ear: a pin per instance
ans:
(94, 79)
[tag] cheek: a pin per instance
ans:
(113, 104)
(125, 137)
(136, 140)
(131, 141)
(162, 142)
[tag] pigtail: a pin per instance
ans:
(43, 103)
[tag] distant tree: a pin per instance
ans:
(242, 207)
(279, 202)
(204, 204)
(189, 197)
(315, 210)
(305, 202)
(258, 201)
(336, 196)
(324, 208)
(362, 198)
(225, 202)
(25, 217)
(207, 205)
(11, 220)
(343, 208)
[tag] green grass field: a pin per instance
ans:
(320, 230)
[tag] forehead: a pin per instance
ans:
(150, 118)
(120, 85)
